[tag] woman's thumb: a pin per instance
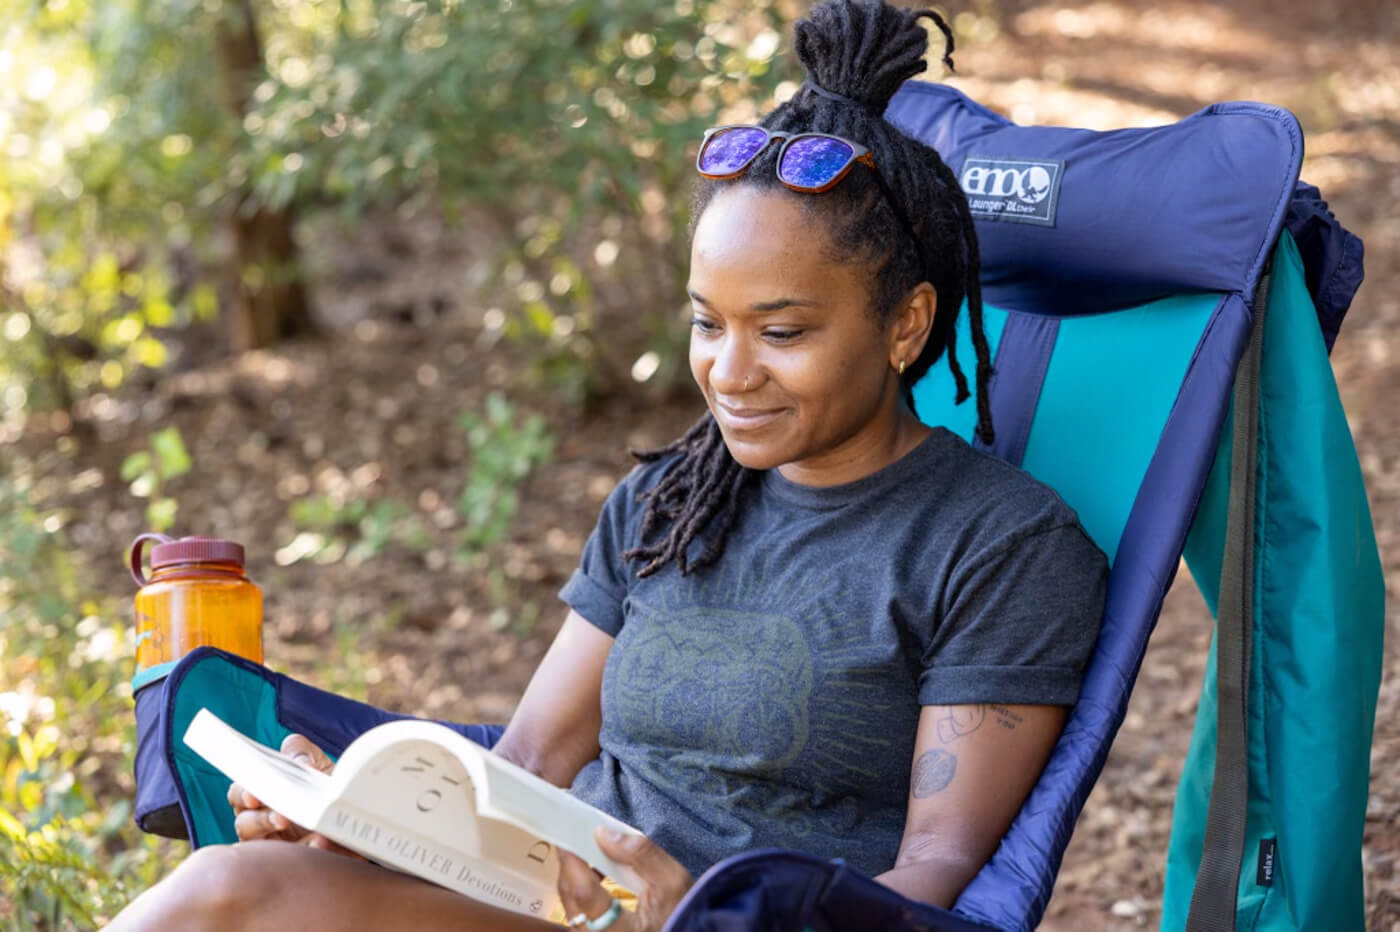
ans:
(636, 851)
(299, 747)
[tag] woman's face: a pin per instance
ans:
(793, 365)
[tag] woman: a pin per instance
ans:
(811, 622)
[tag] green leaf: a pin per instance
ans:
(149, 352)
(206, 303)
(541, 318)
(160, 513)
(11, 826)
(28, 752)
(159, 313)
(135, 464)
(173, 458)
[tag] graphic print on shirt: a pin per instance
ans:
(768, 697)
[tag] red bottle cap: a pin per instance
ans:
(170, 552)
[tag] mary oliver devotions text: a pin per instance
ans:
(378, 837)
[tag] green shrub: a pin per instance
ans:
(506, 448)
(69, 852)
(149, 470)
(352, 529)
(564, 129)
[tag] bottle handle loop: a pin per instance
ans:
(138, 545)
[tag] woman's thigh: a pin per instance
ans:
(273, 884)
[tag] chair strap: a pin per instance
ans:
(1217, 880)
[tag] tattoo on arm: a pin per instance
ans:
(960, 721)
(933, 771)
(1007, 718)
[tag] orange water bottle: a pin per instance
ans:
(197, 594)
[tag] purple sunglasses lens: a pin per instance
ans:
(812, 161)
(729, 150)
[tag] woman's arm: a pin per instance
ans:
(554, 730)
(973, 768)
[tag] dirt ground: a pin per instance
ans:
(371, 413)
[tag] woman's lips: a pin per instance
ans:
(745, 418)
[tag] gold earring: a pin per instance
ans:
(901, 367)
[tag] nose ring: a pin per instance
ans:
(746, 383)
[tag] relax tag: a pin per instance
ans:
(1268, 849)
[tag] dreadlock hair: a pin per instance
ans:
(857, 53)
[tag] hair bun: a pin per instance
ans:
(865, 49)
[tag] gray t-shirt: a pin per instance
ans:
(772, 698)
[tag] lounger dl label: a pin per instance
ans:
(1020, 190)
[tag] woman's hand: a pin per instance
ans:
(666, 882)
(253, 821)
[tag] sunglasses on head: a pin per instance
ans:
(808, 162)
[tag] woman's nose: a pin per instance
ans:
(732, 371)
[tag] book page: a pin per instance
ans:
(422, 787)
(420, 797)
(518, 809)
(405, 804)
(296, 790)
(538, 807)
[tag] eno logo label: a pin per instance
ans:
(1019, 190)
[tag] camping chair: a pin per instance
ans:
(1140, 287)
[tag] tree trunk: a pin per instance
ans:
(266, 298)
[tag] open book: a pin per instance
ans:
(421, 798)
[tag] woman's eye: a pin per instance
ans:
(782, 336)
(701, 325)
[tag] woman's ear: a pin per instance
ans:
(912, 325)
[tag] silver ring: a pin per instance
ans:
(577, 919)
(604, 921)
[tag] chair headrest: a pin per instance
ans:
(1075, 221)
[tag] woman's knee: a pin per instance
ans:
(223, 887)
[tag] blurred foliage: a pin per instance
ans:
(563, 128)
(352, 529)
(69, 853)
(86, 223)
(506, 447)
(149, 470)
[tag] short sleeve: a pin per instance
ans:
(597, 589)
(1018, 624)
